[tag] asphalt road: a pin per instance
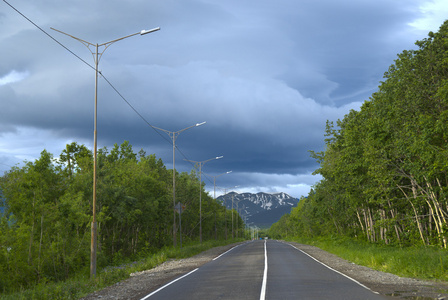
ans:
(263, 270)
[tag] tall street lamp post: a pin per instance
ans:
(173, 135)
(225, 204)
(237, 217)
(232, 207)
(201, 163)
(214, 181)
(214, 196)
(96, 57)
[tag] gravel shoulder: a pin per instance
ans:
(381, 282)
(141, 284)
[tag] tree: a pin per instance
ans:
(385, 167)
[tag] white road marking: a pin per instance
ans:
(265, 275)
(226, 252)
(346, 276)
(161, 288)
(158, 290)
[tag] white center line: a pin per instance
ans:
(265, 275)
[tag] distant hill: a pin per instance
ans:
(261, 209)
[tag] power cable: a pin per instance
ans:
(102, 75)
(49, 35)
(132, 107)
(107, 80)
(77, 56)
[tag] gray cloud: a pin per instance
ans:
(265, 76)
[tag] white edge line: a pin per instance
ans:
(159, 289)
(354, 280)
(226, 252)
(265, 275)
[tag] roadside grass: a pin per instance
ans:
(81, 285)
(429, 263)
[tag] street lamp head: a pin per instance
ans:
(149, 31)
(218, 157)
(229, 172)
(199, 124)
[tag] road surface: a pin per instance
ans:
(265, 270)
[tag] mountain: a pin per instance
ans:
(261, 209)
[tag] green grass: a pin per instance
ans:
(81, 285)
(415, 262)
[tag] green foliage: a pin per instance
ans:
(415, 262)
(385, 167)
(45, 228)
(81, 285)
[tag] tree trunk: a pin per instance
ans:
(393, 214)
(419, 226)
(372, 225)
(439, 224)
(360, 221)
(40, 243)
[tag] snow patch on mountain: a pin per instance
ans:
(261, 209)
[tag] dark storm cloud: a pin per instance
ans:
(264, 75)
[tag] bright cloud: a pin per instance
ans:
(433, 14)
(13, 76)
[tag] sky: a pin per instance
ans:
(264, 75)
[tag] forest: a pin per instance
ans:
(384, 167)
(46, 213)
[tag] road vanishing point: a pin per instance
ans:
(264, 270)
